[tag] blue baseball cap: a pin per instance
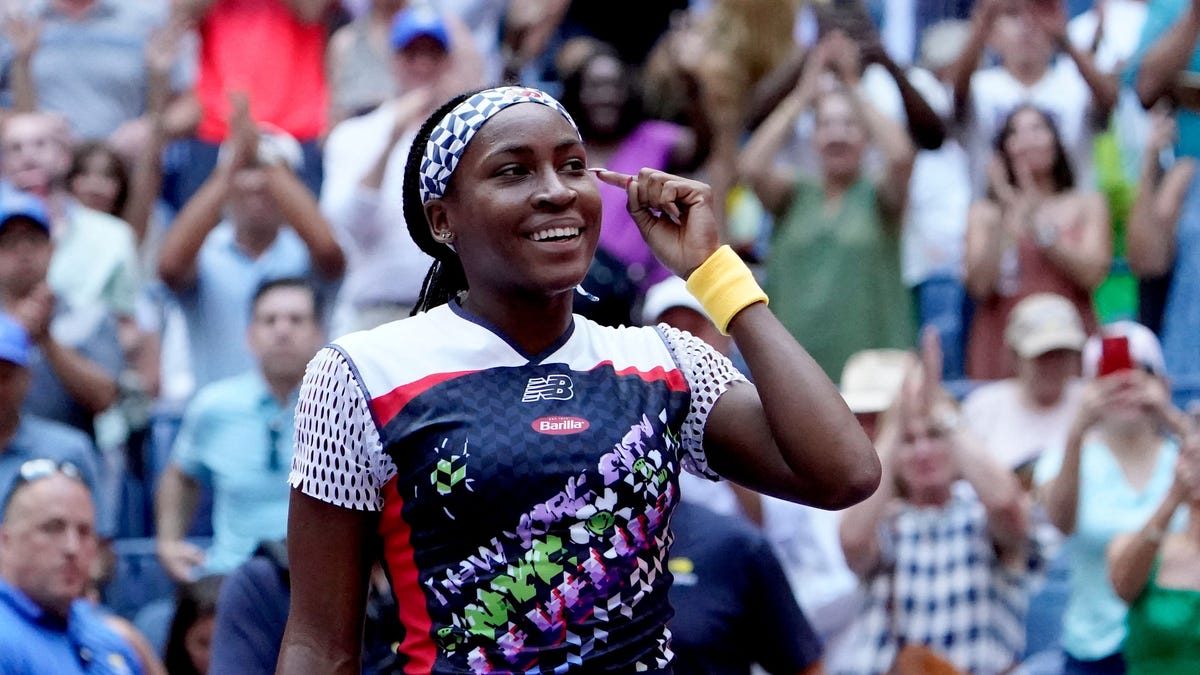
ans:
(415, 21)
(14, 341)
(16, 203)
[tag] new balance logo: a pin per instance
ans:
(549, 388)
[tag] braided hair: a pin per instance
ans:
(446, 277)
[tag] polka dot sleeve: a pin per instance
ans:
(709, 374)
(338, 457)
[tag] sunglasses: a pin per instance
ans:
(37, 469)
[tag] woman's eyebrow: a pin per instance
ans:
(526, 149)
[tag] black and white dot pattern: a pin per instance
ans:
(709, 374)
(338, 457)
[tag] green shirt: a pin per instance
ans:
(1164, 631)
(834, 277)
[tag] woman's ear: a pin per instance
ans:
(439, 224)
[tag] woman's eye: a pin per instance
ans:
(511, 170)
(574, 165)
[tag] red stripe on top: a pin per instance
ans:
(386, 406)
(672, 377)
(398, 554)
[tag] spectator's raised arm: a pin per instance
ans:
(1150, 235)
(1168, 56)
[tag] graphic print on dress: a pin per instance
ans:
(572, 567)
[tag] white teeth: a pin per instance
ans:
(555, 233)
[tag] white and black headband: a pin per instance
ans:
(451, 135)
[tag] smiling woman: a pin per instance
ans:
(514, 466)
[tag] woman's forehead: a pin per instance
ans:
(532, 119)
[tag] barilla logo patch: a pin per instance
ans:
(559, 425)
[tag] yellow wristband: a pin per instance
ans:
(724, 286)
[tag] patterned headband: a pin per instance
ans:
(451, 136)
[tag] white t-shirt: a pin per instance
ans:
(1013, 432)
(1062, 92)
(384, 265)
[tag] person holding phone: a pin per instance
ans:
(1117, 465)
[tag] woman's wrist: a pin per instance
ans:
(724, 285)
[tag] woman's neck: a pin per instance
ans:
(1132, 440)
(938, 496)
(532, 322)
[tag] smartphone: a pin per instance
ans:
(1114, 355)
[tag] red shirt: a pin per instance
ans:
(261, 48)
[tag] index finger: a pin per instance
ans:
(613, 178)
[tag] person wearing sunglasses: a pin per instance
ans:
(48, 544)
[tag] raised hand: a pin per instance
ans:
(243, 132)
(23, 33)
(675, 215)
(1050, 17)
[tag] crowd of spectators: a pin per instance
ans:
(983, 217)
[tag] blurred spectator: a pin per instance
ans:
(236, 438)
(1164, 240)
(273, 53)
(733, 605)
(940, 189)
(1155, 573)
(944, 546)
(251, 222)
(47, 546)
(1117, 465)
(252, 613)
(1020, 418)
(365, 158)
(189, 641)
(357, 62)
(601, 94)
(95, 257)
(1035, 232)
(834, 262)
(76, 355)
(1026, 36)
(1166, 65)
(25, 437)
(100, 95)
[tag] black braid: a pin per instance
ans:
(446, 278)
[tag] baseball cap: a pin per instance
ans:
(871, 379)
(414, 21)
(14, 341)
(1144, 347)
(16, 203)
(668, 293)
(1044, 322)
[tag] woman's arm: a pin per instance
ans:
(756, 162)
(1060, 495)
(328, 554)
(1150, 235)
(999, 491)
(1084, 252)
(1131, 556)
(986, 241)
(1168, 56)
(859, 526)
(798, 441)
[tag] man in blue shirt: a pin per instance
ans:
(236, 437)
(47, 547)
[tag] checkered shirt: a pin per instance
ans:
(951, 591)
